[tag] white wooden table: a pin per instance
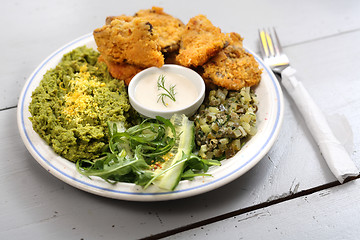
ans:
(289, 194)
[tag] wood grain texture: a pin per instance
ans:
(331, 214)
(321, 39)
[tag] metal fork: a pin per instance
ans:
(337, 158)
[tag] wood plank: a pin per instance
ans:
(331, 77)
(333, 213)
(46, 26)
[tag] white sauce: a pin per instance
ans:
(147, 93)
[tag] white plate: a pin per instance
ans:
(270, 115)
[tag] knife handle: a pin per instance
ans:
(337, 158)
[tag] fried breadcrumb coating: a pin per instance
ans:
(130, 41)
(200, 41)
(168, 28)
(151, 37)
(232, 68)
(121, 71)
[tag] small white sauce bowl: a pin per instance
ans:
(188, 73)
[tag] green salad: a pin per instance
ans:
(156, 152)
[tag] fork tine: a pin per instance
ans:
(270, 43)
(263, 42)
(277, 43)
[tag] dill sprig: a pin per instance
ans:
(170, 93)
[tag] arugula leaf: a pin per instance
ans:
(131, 152)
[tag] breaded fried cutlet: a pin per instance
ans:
(121, 71)
(200, 41)
(129, 41)
(233, 67)
(168, 28)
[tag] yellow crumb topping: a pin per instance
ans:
(80, 100)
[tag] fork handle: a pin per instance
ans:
(337, 158)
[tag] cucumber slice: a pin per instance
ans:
(184, 145)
